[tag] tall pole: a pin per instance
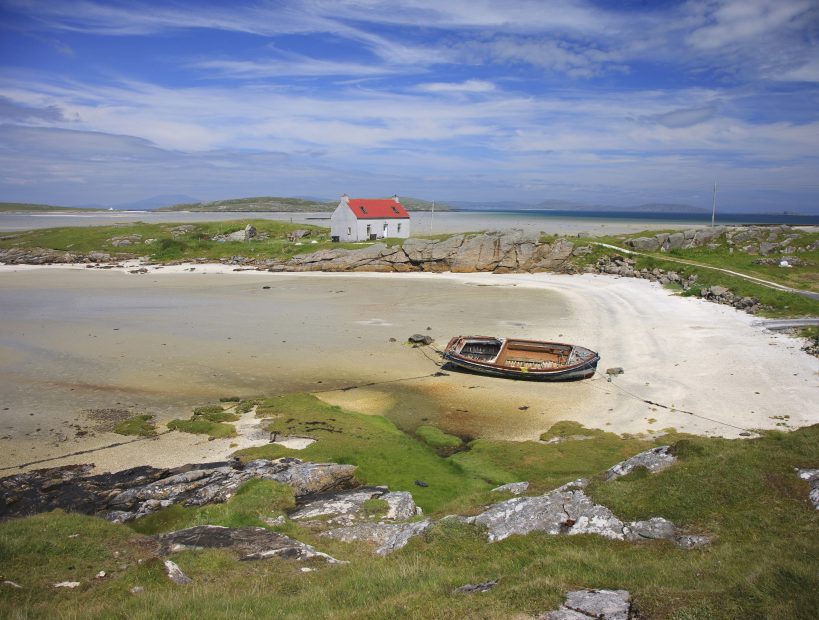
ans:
(714, 204)
(431, 217)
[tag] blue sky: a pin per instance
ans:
(618, 103)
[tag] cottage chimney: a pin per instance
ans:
(395, 197)
(345, 198)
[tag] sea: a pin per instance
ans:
(423, 222)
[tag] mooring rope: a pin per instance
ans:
(672, 408)
(88, 451)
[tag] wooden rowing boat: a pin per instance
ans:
(512, 358)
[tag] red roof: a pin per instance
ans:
(367, 208)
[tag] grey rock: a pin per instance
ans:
(341, 506)
(812, 477)
(766, 248)
(475, 588)
(420, 340)
(617, 370)
(579, 483)
(557, 512)
(675, 241)
(654, 460)
(387, 537)
(175, 573)
(599, 604)
(345, 507)
(132, 493)
(401, 506)
(691, 541)
(644, 244)
(252, 543)
(515, 488)
(655, 528)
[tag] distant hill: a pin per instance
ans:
(566, 205)
(154, 202)
(28, 207)
(281, 204)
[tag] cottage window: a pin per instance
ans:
(399, 226)
(395, 210)
(385, 226)
(349, 231)
(369, 229)
(363, 209)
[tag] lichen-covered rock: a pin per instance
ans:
(132, 493)
(599, 604)
(346, 507)
(812, 476)
(557, 512)
(252, 543)
(653, 460)
(515, 488)
(387, 537)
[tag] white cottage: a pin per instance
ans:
(366, 219)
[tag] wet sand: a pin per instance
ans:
(73, 339)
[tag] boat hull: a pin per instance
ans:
(582, 369)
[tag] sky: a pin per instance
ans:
(618, 102)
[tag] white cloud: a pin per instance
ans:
(467, 86)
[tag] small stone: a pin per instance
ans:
(137, 590)
(617, 370)
(175, 573)
(67, 584)
(100, 574)
(420, 340)
(474, 588)
(515, 488)
(12, 584)
(421, 483)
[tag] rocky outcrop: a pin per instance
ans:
(497, 252)
(621, 266)
(387, 537)
(245, 234)
(572, 512)
(654, 460)
(43, 256)
(347, 507)
(762, 240)
(598, 604)
(252, 543)
(132, 493)
(812, 477)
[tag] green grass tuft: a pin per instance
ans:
(140, 425)
(436, 438)
(200, 426)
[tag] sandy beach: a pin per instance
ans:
(74, 341)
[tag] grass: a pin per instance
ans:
(140, 425)
(194, 242)
(383, 453)
(201, 426)
(778, 303)
(436, 438)
(744, 493)
(253, 502)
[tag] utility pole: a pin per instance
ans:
(431, 217)
(714, 204)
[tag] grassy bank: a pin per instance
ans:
(745, 494)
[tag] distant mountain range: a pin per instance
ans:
(281, 204)
(564, 205)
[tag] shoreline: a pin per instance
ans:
(634, 322)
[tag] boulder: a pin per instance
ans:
(515, 488)
(252, 543)
(387, 537)
(599, 604)
(654, 460)
(644, 244)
